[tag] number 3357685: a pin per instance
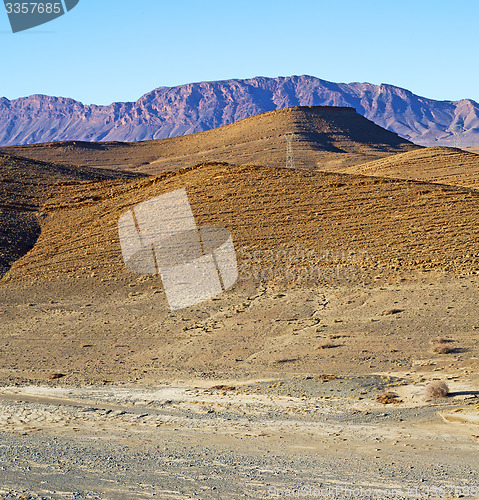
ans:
(33, 7)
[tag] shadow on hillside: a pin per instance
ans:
(19, 232)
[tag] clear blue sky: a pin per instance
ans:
(105, 50)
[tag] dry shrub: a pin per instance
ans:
(388, 398)
(437, 389)
(441, 345)
(442, 348)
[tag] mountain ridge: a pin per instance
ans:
(195, 107)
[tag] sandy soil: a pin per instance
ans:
(183, 441)
(125, 332)
(269, 387)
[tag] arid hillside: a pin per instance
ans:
(440, 165)
(323, 137)
(401, 224)
(304, 238)
(25, 185)
(322, 256)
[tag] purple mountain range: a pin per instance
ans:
(195, 107)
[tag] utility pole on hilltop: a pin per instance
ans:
(457, 130)
(289, 149)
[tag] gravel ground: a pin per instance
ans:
(184, 442)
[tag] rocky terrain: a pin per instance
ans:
(400, 224)
(358, 285)
(25, 185)
(439, 165)
(181, 441)
(195, 107)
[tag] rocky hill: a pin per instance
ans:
(25, 185)
(440, 165)
(402, 224)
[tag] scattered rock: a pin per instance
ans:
(327, 346)
(388, 312)
(388, 398)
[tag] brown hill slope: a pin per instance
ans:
(400, 224)
(440, 165)
(25, 185)
(323, 136)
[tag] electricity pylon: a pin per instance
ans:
(289, 149)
